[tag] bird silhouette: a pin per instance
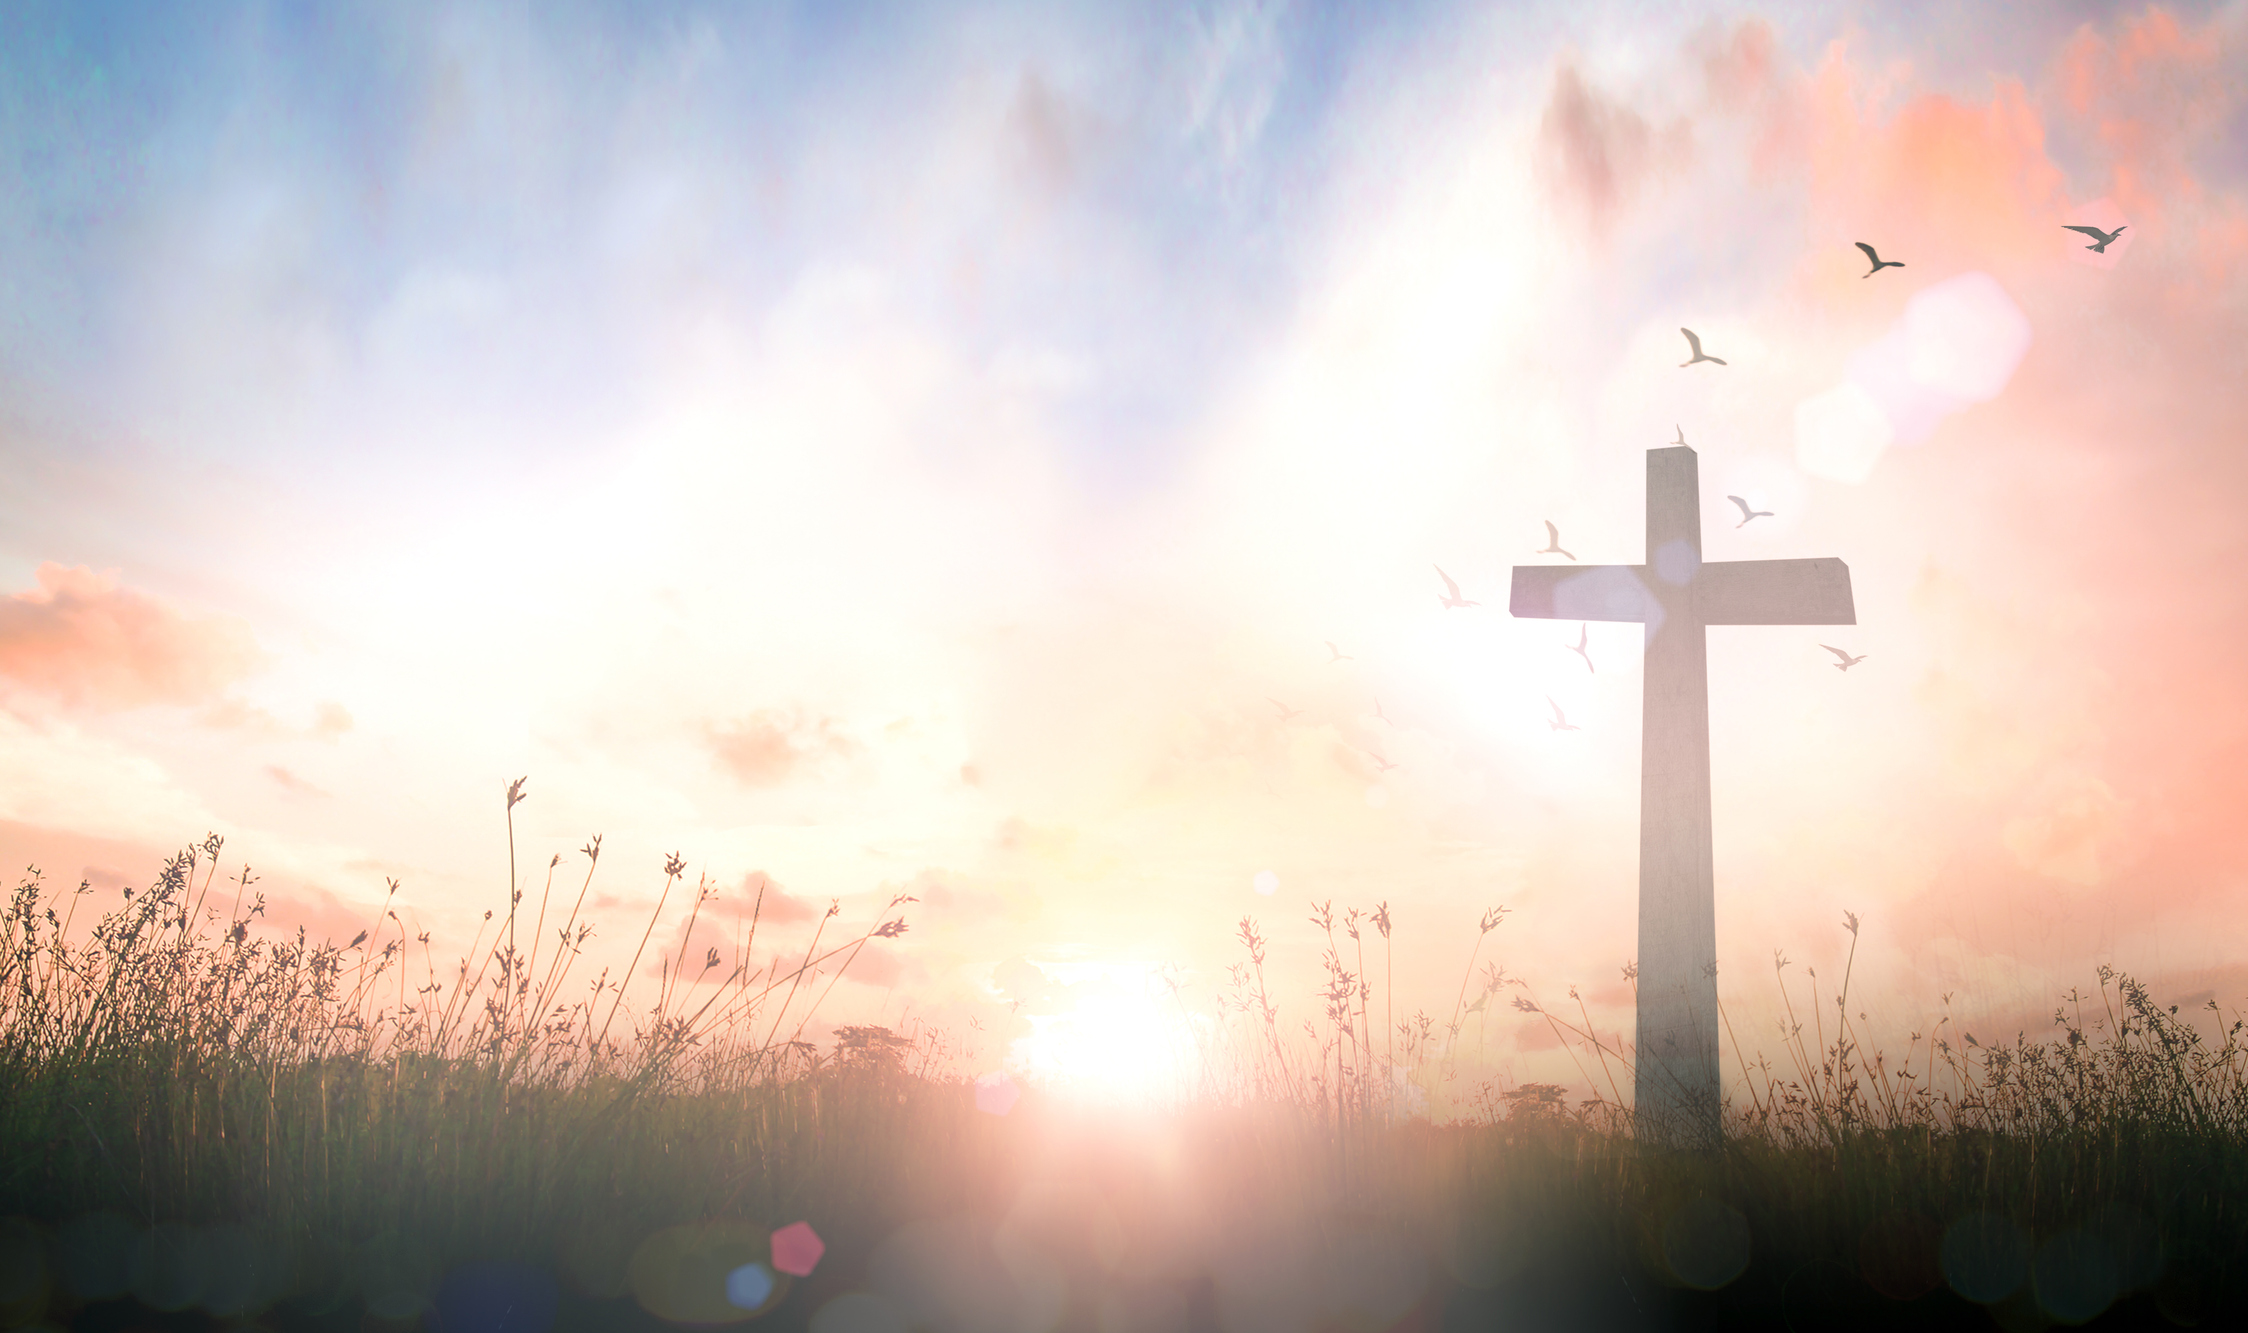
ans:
(1746, 512)
(1451, 596)
(1553, 541)
(2103, 237)
(1699, 354)
(1339, 654)
(1878, 262)
(1560, 722)
(1380, 763)
(1584, 635)
(1286, 713)
(1847, 661)
(1382, 715)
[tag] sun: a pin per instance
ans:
(1123, 1040)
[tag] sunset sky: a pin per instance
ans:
(928, 448)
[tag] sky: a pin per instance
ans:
(1003, 454)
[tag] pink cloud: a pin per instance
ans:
(1939, 177)
(324, 917)
(109, 867)
(1744, 77)
(291, 783)
(884, 966)
(92, 643)
(769, 747)
(330, 720)
(948, 893)
(1741, 68)
(1595, 153)
(760, 893)
(2148, 94)
(1974, 183)
(1939, 180)
(235, 715)
(1536, 1034)
(724, 922)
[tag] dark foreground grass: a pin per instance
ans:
(200, 1128)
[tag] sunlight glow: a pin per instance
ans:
(1121, 1042)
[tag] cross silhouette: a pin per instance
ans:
(1676, 1091)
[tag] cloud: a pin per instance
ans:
(724, 922)
(1535, 1034)
(92, 643)
(946, 893)
(240, 715)
(330, 720)
(55, 777)
(761, 894)
(768, 747)
(326, 918)
(1238, 65)
(883, 965)
(1595, 153)
(1941, 176)
(291, 783)
(1039, 137)
(1742, 68)
(2147, 96)
(2072, 836)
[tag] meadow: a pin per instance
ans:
(202, 1126)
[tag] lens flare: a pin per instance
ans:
(797, 1249)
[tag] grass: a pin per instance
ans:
(171, 1079)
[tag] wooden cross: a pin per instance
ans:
(1675, 1086)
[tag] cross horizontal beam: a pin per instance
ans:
(1775, 592)
(1726, 592)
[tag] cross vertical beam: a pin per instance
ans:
(1675, 1085)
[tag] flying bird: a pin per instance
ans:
(2103, 237)
(1451, 596)
(1699, 354)
(1382, 715)
(1878, 262)
(1553, 541)
(1339, 654)
(1583, 636)
(1383, 764)
(1847, 661)
(1560, 723)
(1746, 512)
(1286, 712)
